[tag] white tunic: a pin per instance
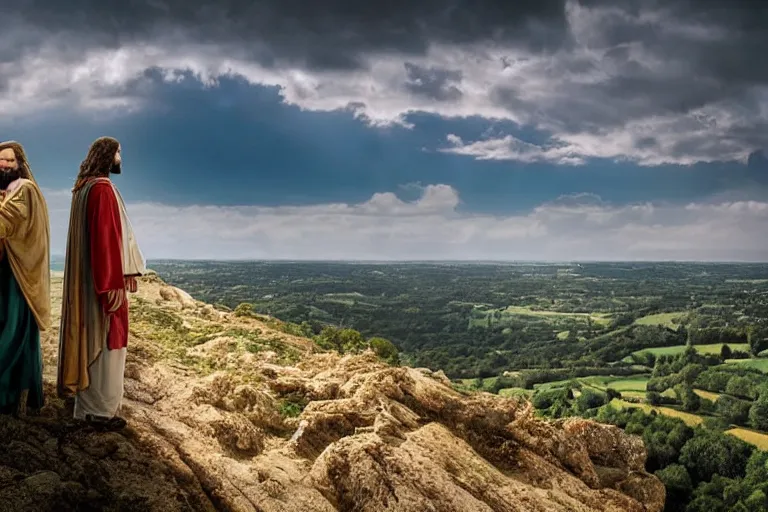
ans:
(105, 394)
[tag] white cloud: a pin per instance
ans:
(580, 227)
(512, 148)
(605, 95)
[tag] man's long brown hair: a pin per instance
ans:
(98, 162)
(21, 158)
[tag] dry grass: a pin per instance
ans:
(162, 329)
(750, 436)
(691, 420)
(707, 394)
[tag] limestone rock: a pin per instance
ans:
(175, 295)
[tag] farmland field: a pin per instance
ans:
(707, 394)
(670, 320)
(758, 364)
(713, 348)
(755, 438)
(603, 318)
(508, 392)
(628, 384)
(689, 419)
(552, 384)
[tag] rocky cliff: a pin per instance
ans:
(231, 413)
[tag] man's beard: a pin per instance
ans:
(116, 168)
(8, 176)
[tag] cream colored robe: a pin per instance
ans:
(25, 238)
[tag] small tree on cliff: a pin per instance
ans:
(343, 341)
(385, 349)
(244, 309)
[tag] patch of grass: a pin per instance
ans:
(750, 436)
(707, 394)
(717, 347)
(598, 318)
(254, 343)
(487, 383)
(691, 420)
(628, 384)
(712, 349)
(142, 311)
(638, 395)
(596, 381)
(670, 320)
(287, 327)
(292, 406)
(561, 320)
(621, 384)
(669, 393)
(511, 392)
(164, 328)
(461, 388)
(663, 351)
(201, 365)
(254, 347)
(758, 364)
(290, 356)
(552, 385)
(174, 336)
(198, 338)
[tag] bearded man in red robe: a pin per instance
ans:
(102, 263)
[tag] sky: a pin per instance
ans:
(489, 130)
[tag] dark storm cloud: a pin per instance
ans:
(335, 33)
(731, 36)
(646, 143)
(320, 34)
(596, 68)
(633, 89)
(665, 58)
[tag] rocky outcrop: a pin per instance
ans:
(223, 426)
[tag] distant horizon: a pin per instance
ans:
(61, 257)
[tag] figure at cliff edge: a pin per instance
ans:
(102, 262)
(25, 277)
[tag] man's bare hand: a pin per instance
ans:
(131, 285)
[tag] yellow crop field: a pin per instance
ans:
(690, 419)
(750, 436)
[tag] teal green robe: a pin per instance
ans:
(21, 361)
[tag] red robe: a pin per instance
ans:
(106, 253)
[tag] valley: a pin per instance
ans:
(673, 352)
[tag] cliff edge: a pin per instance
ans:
(230, 413)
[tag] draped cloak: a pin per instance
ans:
(25, 240)
(101, 252)
(25, 301)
